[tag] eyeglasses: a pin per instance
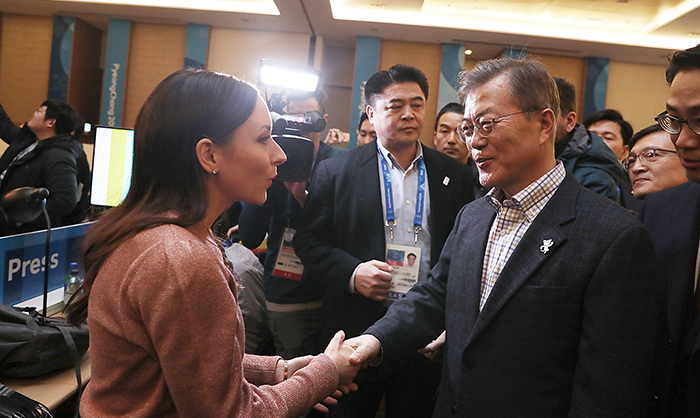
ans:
(649, 155)
(673, 125)
(483, 125)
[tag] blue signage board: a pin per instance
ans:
(115, 72)
(23, 261)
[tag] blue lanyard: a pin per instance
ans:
(389, 197)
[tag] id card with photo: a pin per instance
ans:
(406, 263)
(288, 265)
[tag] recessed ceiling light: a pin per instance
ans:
(468, 52)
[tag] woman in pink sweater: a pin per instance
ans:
(166, 333)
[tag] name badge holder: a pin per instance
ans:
(287, 264)
(404, 259)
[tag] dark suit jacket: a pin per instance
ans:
(342, 225)
(672, 217)
(566, 332)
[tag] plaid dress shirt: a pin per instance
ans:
(513, 217)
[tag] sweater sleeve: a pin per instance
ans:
(183, 294)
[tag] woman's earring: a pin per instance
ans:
(215, 171)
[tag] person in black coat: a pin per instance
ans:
(44, 153)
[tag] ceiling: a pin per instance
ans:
(641, 31)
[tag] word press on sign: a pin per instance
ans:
(23, 261)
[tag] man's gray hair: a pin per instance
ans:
(531, 87)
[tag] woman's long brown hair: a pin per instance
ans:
(166, 176)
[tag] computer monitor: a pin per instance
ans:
(111, 165)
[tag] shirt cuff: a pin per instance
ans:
(351, 285)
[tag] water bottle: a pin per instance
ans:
(72, 282)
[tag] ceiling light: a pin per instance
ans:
(468, 52)
(263, 7)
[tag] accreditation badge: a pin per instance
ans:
(406, 263)
(288, 265)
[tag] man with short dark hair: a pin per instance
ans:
(672, 216)
(613, 128)
(447, 141)
(445, 137)
(546, 289)
(365, 131)
(393, 196)
(294, 304)
(45, 153)
(583, 153)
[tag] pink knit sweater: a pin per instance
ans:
(167, 338)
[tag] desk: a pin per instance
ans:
(54, 388)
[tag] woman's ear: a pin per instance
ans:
(206, 155)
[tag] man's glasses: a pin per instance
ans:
(649, 155)
(483, 125)
(673, 125)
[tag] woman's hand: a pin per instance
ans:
(340, 354)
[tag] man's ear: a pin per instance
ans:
(547, 125)
(370, 114)
(570, 121)
(206, 154)
(50, 123)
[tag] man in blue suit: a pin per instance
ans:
(546, 289)
(673, 219)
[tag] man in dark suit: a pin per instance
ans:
(673, 219)
(545, 288)
(393, 196)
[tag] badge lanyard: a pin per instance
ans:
(389, 198)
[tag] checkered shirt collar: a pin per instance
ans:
(532, 199)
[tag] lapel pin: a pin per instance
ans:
(446, 181)
(544, 248)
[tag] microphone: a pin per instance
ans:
(39, 194)
(24, 204)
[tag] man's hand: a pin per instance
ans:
(298, 189)
(336, 136)
(433, 351)
(367, 347)
(373, 279)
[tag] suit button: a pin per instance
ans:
(453, 409)
(680, 391)
(670, 345)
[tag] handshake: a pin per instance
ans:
(349, 357)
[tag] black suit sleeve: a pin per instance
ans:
(415, 320)
(315, 243)
(8, 130)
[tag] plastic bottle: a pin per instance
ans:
(72, 282)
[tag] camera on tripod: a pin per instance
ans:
(288, 129)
